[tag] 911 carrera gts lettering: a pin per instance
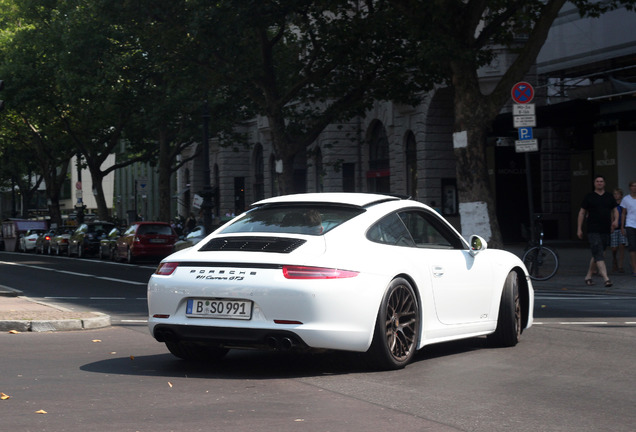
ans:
(211, 277)
(237, 275)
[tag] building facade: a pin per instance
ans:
(585, 82)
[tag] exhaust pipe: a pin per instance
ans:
(165, 335)
(287, 343)
(273, 343)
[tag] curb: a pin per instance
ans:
(99, 321)
(5, 291)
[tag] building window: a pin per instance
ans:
(274, 175)
(411, 166)
(320, 187)
(348, 177)
(379, 174)
(259, 181)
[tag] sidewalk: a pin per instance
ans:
(574, 259)
(22, 314)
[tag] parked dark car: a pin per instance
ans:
(86, 238)
(43, 242)
(146, 240)
(58, 244)
(108, 244)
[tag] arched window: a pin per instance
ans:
(379, 173)
(259, 180)
(187, 195)
(320, 187)
(273, 175)
(411, 165)
(216, 191)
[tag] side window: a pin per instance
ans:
(429, 232)
(390, 230)
(131, 230)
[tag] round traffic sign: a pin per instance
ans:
(522, 93)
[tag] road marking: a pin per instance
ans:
(121, 280)
(584, 323)
(94, 298)
(77, 274)
(583, 297)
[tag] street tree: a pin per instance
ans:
(304, 64)
(31, 134)
(175, 87)
(73, 84)
(462, 36)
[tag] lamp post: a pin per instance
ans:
(207, 189)
(79, 206)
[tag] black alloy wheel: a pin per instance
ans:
(397, 327)
(508, 332)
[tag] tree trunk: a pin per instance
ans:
(100, 199)
(472, 121)
(164, 169)
(284, 151)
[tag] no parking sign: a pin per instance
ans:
(522, 93)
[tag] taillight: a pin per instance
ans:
(304, 272)
(167, 268)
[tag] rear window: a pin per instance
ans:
(101, 228)
(293, 219)
(154, 229)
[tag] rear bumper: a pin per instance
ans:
(157, 251)
(230, 337)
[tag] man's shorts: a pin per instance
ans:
(631, 238)
(598, 244)
(618, 239)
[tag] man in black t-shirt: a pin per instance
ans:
(599, 210)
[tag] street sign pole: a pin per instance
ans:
(524, 120)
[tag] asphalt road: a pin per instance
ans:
(573, 371)
(559, 378)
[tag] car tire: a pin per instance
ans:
(397, 328)
(508, 330)
(195, 351)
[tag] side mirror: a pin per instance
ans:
(477, 244)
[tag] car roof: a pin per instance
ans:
(346, 198)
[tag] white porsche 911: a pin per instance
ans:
(359, 272)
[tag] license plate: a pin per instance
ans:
(157, 240)
(219, 308)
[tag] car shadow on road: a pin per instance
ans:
(243, 364)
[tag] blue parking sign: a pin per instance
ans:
(525, 133)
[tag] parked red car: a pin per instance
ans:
(146, 240)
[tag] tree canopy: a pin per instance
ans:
(83, 76)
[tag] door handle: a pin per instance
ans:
(438, 271)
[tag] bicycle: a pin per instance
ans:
(541, 261)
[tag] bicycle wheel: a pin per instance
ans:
(542, 262)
